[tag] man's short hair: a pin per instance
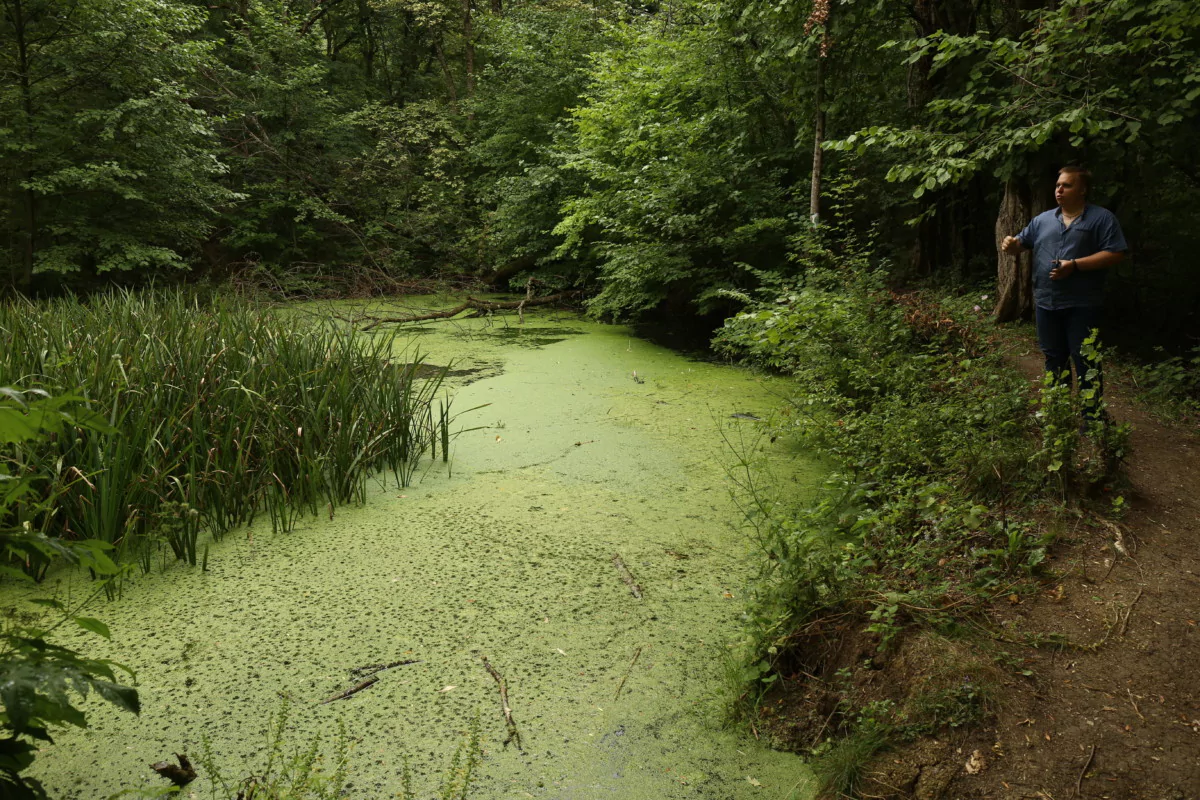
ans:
(1082, 174)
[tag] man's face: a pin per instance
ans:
(1069, 191)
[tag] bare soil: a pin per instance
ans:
(1110, 707)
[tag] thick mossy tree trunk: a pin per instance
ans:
(1023, 197)
(1014, 274)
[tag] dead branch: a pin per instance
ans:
(352, 691)
(471, 303)
(372, 669)
(320, 10)
(628, 670)
(626, 576)
(1082, 772)
(180, 775)
(521, 305)
(1128, 611)
(513, 733)
(1133, 703)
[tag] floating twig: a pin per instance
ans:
(513, 733)
(372, 669)
(352, 691)
(626, 576)
(628, 670)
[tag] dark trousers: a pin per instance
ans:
(1060, 335)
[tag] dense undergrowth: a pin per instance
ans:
(950, 480)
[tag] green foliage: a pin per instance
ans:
(1171, 385)
(106, 163)
(841, 766)
(42, 684)
(935, 448)
(677, 187)
(410, 187)
(538, 68)
(215, 413)
(1119, 73)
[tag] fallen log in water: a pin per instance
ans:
(471, 303)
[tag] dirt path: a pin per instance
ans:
(1116, 713)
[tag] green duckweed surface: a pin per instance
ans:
(507, 554)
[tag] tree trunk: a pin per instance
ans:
(450, 87)
(818, 162)
(369, 44)
(469, 43)
(22, 276)
(1014, 274)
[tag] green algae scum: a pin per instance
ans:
(580, 545)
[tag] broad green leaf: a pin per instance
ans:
(93, 625)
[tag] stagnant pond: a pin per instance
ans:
(592, 443)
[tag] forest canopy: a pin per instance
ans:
(683, 154)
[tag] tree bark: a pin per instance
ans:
(469, 44)
(818, 162)
(22, 277)
(369, 44)
(1014, 274)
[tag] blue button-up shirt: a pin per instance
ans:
(1095, 230)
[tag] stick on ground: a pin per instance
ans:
(1082, 772)
(1128, 611)
(513, 733)
(627, 576)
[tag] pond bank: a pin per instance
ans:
(593, 443)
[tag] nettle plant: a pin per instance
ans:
(41, 683)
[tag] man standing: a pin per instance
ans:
(1072, 247)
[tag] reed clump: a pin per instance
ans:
(221, 411)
